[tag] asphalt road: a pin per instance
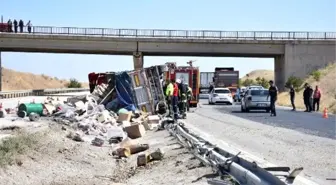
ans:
(309, 123)
(294, 139)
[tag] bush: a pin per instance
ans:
(316, 75)
(263, 82)
(295, 81)
(73, 84)
(248, 82)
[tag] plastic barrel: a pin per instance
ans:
(31, 108)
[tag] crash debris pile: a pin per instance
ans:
(119, 109)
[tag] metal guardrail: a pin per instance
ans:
(228, 164)
(183, 34)
(39, 92)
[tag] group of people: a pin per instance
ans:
(178, 96)
(311, 98)
(18, 26)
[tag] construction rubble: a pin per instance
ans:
(116, 112)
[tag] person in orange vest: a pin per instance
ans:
(316, 99)
(175, 99)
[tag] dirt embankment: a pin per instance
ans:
(327, 84)
(14, 80)
(50, 158)
(262, 73)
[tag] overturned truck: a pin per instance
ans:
(137, 89)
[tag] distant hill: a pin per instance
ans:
(267, 74)
(14, 80)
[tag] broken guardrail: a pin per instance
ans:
(224, 163)
(39, 92)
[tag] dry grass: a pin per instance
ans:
(267, 74)
(327, 85)
(14, 80)
(11, 148)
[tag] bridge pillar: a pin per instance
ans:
(0, 73)
(301, 59)
(279, 72)
(138, 60)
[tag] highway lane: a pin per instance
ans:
(290, 139)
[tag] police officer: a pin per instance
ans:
(292, 97)
(273, 93)
(189, 97)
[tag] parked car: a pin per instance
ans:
(255, 87)
(220, 95)
(255, 99)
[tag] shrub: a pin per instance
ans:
(295, 81)
(73, 84)
(263, 82)
(316, 75)
(248, 82)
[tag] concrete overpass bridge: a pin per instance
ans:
(295, 53)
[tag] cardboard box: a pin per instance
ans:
(153, 119)
(135, 131)
(124, 117)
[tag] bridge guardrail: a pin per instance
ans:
(39, 92)
(184, 34)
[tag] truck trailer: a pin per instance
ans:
(226, 77)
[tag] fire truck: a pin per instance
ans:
(189, 75)
(4, 27)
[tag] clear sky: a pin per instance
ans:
(230, 15)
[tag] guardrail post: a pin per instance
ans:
(271, 35)
(68, 30)
(325, 35)
(307, 35)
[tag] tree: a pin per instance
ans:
(248, 82)
(262, 82)
(73, 84)
(295, 81)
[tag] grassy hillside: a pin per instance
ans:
(14, 80)
(267, 74)
(327, 84)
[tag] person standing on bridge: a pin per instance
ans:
(29, 26)
(15, 26)
(292, 97)
(21, 25)
(273, 93)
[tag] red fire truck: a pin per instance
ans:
(187, 74)
(4, 27)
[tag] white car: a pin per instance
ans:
(220, 95)
(255, 99)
